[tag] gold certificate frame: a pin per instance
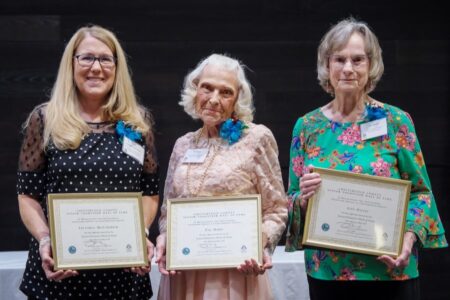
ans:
(97, 230)
(357, 213)
(213, 232)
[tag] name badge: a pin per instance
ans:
(196, 156)
(133, 149)
(373, 129)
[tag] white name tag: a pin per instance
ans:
(196, 156)
(373, 129)
(133, 149)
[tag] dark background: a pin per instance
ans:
(276, 39)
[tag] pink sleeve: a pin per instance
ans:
(270, 185)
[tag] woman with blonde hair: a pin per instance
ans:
(73, 144)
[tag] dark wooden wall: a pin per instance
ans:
(276, 39)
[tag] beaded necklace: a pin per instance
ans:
(202, 178)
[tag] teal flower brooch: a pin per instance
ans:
(126, 130)
(231, 130)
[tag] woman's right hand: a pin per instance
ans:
(45, 251)
(309, 183)
(161, 256)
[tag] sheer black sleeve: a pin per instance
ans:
(150, 176)
(32, 161)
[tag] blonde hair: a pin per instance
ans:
(63, 123)
(243, 107)
(336, 38)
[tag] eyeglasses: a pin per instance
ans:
(357, 61)
(87, 60)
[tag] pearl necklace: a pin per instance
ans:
(202, 178)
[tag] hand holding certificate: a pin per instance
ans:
(357, 213)
(213, 232)
(95, 231)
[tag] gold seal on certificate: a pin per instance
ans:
(357, 213)
(97, 230)
(213, 232)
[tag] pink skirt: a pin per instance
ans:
(215, 284)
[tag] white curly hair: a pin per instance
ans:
(243, 108)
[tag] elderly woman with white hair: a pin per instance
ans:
(242, 158)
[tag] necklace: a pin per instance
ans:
(98, 125)
(202, 178)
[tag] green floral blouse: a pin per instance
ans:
(323, 143)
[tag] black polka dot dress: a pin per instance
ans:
(98, 165)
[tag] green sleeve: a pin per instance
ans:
(296, 167)
(422, 217)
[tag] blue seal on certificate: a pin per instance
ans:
(186, 251)
(325, 226)
(72, 249)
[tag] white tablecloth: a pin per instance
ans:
(287, 277)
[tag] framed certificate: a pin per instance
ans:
(213, 232)
(97, 230)
(357, 213)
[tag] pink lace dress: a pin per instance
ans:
(250, 166)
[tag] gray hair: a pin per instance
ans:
(336, 38)
(243, 107)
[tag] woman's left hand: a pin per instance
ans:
(403, 259)
(251, 267)
(146, 269)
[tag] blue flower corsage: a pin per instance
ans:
(374, 112)
(126, 130)
(231, 130)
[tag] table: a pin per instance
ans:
(288, 277)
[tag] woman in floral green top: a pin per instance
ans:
(349, 67)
